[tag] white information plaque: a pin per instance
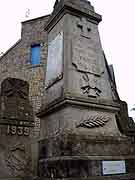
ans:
(54, 61)
(113, 167)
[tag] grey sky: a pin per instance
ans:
(117, 31)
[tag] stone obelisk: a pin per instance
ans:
(84, 132)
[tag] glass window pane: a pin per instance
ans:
(35, 54)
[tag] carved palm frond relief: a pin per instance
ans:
(94, 121)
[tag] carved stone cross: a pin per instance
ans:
(85, 28)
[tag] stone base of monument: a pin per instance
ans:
(119, 177)
(80, 156)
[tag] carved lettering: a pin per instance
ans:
(13, 130)
(18, 130)
(26, 131)
(85, 57)
(85, 60)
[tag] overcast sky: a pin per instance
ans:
(117, 31)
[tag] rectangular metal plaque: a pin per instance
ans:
(113, 167)
(55, 60)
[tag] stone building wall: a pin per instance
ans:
(16, 62)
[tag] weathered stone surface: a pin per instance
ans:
(62, 119)
(84, 65)
(81, 144)
(71, 155)
(15, 107)
(18, 160)
(16, 123)
(15, 155)
(81, 121)
(16, 63)
(79, 127)
(125, 123)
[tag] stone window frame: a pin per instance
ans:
(29, 64)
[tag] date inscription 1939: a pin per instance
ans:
(18, 130)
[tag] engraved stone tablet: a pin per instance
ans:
(54, 62)
(85, 56)
(113, 167)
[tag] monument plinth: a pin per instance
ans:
(81, 121)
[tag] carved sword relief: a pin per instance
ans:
(89, 86)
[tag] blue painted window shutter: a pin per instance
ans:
(35, 54)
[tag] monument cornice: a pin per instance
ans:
(73, 10)
(17, 123)
(79, 101)
(88, 158)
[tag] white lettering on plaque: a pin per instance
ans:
(113, 167)
(54, 61)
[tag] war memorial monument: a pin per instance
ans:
(85, 131)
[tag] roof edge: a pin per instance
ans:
(34, 19)
(14, 45)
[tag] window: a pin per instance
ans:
(35, 54)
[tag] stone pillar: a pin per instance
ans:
(79, 129)
(16, 123)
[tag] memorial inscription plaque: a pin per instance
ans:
(85, 59)
(113, 167)
(85, 56)
(54, 61)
